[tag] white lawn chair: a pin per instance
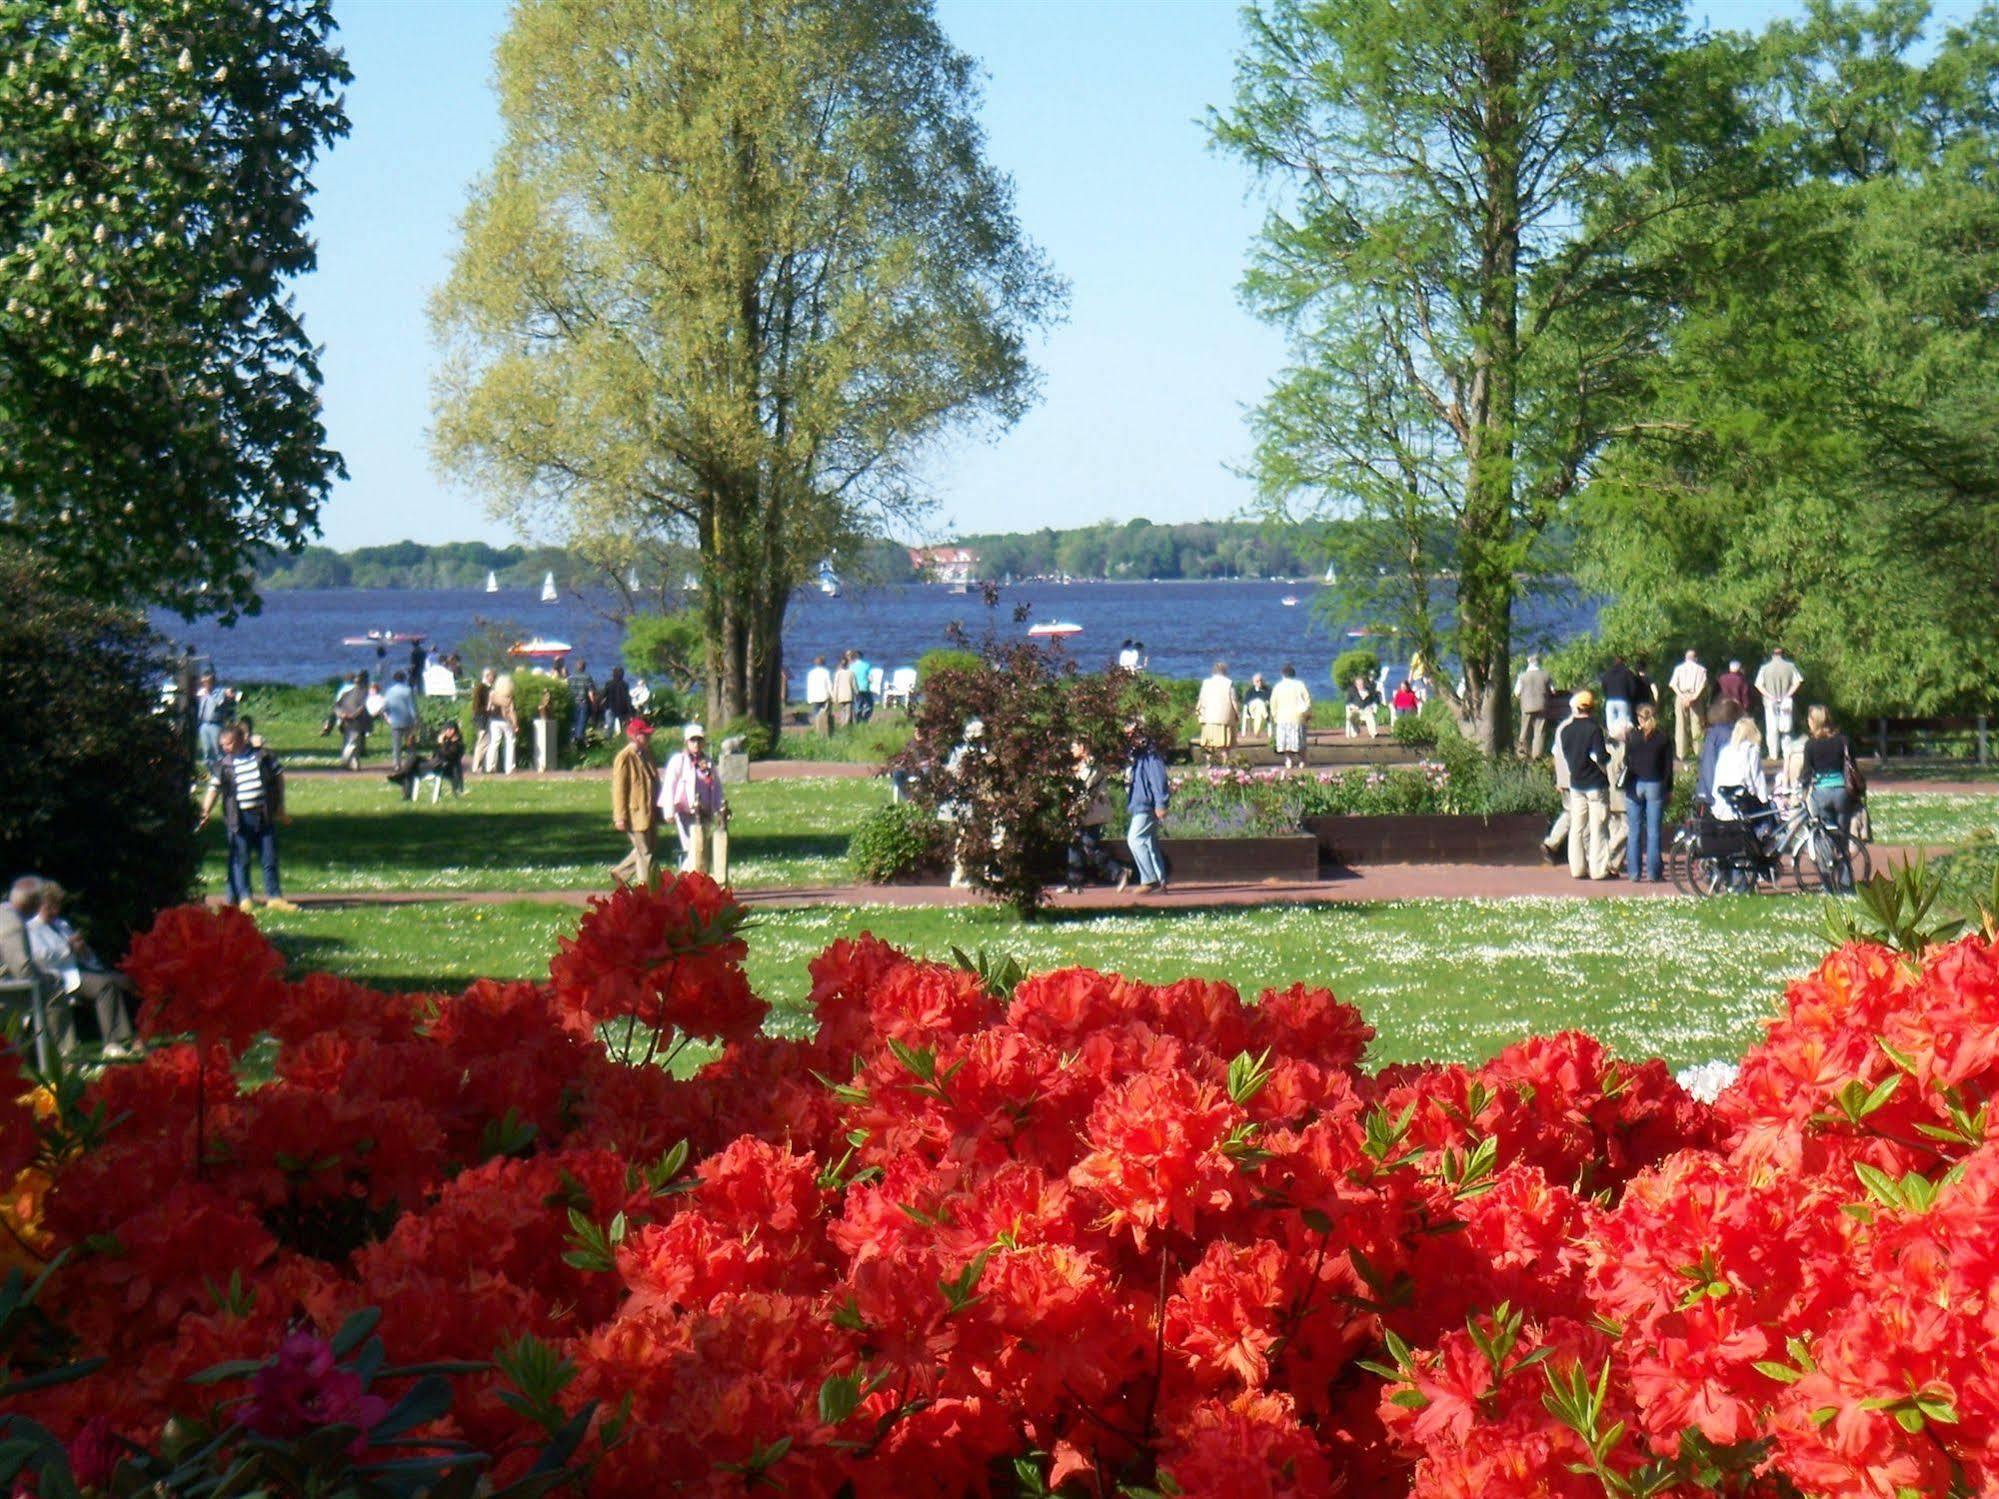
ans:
(438, 681)
(901, 687)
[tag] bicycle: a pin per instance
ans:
(1838, 861)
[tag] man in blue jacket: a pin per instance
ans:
(1146, 802)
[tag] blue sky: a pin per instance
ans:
(1093, 106)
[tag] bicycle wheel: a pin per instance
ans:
(1706, 875)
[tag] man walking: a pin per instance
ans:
(819, 697)
(482, 712)
(616, 701)
(1580, 743)
(582, 702)
(399, 713)
(1689, 688)
(635, 803)
(864, 689)
(250, 784)
(350, 710)
(1532, 688)
(1146, 799)
(1217, 711)
(843, 691)
(1778, 681)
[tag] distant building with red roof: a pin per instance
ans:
(945, 564)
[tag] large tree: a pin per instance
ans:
(159, 400)
(1462, 183)
(736, 262)
(1821, 469)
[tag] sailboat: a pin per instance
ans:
(1332, 573)
(492, 581)
(632, 580)
(548, 588)
(829, 581)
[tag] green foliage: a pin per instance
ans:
(1472, 184)
(744, 354)
(1354, 663)
(897, 842)
(159, 400)
(930, 663)
(93, 777)
(1137, 548)
(875, 742)
(1828, 391)
(1903, 909)
(671, 646)
(758, 741)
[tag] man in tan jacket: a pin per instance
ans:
(635, 802)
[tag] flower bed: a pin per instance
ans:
(1223, 802)
(985, 1234)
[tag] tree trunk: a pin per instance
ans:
(1486, 553)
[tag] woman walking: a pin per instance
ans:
(1146, 802)
(1648, 768)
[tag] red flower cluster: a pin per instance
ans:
(1091, 1233)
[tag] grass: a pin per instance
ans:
(1687, 980)
(355, 832)
(870, 743)
(1932, 818)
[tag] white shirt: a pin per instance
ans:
(818, 685)
(1128, 659)
(49, 950)
(1739, 764)
(1689, 680)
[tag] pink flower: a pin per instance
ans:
(303, 1390)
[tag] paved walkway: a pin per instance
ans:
(1384, 882)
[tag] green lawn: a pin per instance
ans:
(355, 832)
(1686, 980)
(1929, 818)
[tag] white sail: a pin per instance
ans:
(548, 588)
(492, 581)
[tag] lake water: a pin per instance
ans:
(1186, 627)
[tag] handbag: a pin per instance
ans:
(1856, 783)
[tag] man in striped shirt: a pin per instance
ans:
(251, 788)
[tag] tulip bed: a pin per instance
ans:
(987, 1233)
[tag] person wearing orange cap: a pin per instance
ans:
(635, 802)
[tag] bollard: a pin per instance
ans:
(544, 743)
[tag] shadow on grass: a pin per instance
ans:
(481, 845)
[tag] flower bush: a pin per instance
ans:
(1231, 802)
(991, 1234)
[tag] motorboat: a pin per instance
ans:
(548, 588)
(540, 648)
(1289, 601)
(1055, 629)
(492, 581)
(376, 638)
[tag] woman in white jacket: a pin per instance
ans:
(1740, 765)
(691, 794)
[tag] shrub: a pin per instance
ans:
(927, 1249)
(1012, 786)
(1353, 663)
(94, 776)
(758, 741)
(897, 842)
(931, 663)
(1520, 786)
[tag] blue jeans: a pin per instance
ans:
(1645, 821)
(1142, 837)
(211, 743)
(253, 830)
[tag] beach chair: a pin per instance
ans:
(901, 688)
(438, 681)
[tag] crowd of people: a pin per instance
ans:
(1615, 760)
(1283, 709)
(844, 694)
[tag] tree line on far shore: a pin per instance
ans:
(1135, 548)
